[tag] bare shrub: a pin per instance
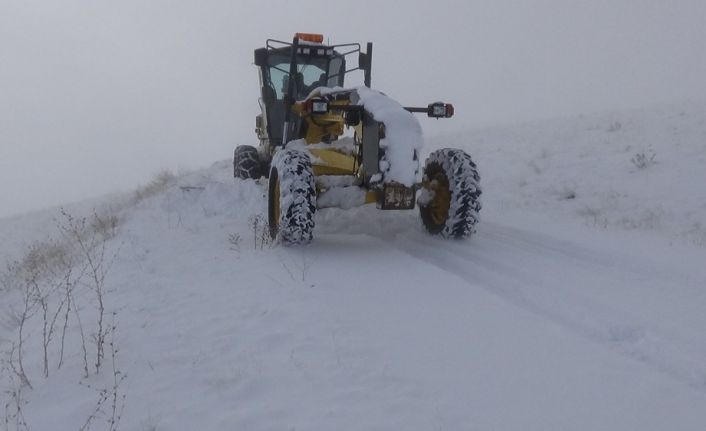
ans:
(299, 268)
(91, 247)
(234, 241)
(14, 405)
(696, 234)
(117, 396)
(565, 193)
(84, 350)
(104, 223)
(644, 159)
(158, 184)
(97, 409)
(26, 277)
(44, 286)
(614, 126)
(45, 279)
(69, 283)
(261, 231)
(650, 218)
(20, 319)
(110, 403)
(594, 217)
(149, 424)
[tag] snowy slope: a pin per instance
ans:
(561, 313)
(582, 168)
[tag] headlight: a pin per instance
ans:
(440, 110)
(319, 106)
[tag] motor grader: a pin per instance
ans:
(311, 160)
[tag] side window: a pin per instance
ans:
(279, 80)
(335, 72)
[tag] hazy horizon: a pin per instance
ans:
(99, 96)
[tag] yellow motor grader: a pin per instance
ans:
(312, 163)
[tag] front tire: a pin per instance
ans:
(291, 198)
(450, 199)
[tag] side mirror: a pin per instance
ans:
(261, 57)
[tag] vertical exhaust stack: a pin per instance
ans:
(365, 62)
(368, 69)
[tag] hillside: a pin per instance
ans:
(577, 305)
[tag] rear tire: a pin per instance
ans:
(450, 199)
(291, 197)
(246, 162)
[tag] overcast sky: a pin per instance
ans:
(98, 95)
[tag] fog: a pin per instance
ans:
(96, 96)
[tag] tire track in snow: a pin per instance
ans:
(514, 268)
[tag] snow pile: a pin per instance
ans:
(403, 136)
(342, 197)
(344, 145)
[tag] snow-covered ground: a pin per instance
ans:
(639, 170)
(579, 304)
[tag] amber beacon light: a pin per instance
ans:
(310, 37)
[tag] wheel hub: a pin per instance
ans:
(274, 206)
(276, 198)
(441, 200)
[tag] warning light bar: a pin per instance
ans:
(310, 37)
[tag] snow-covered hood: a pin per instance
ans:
(403, 133)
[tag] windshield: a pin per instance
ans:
(312, 72)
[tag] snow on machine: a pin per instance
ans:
(310, 164)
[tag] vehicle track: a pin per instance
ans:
(536, 273)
